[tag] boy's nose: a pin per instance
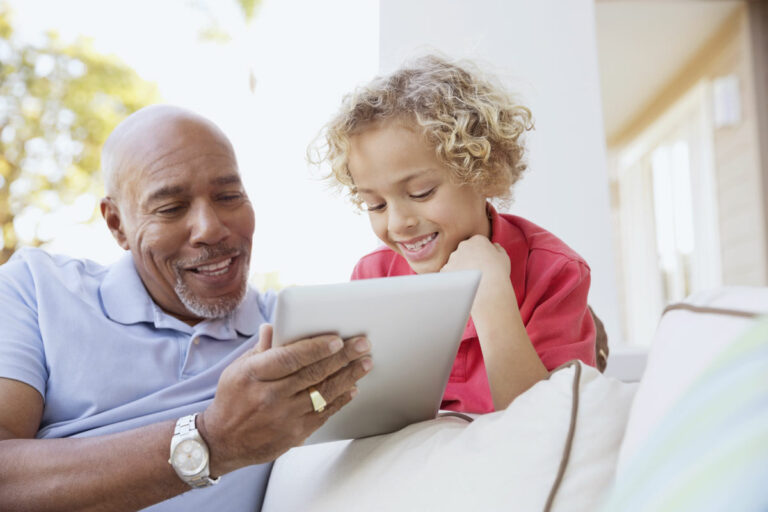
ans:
(400, 220)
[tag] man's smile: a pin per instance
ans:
(213, 269)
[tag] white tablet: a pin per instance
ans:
(415, 325)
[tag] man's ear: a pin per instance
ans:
(111, 214)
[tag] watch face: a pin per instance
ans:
(189, 457)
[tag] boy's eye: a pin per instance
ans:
(375, 207)
(424, 195)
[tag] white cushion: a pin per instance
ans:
(688, 339)
(504, 460)
(708, 453)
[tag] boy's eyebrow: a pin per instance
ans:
(405, 179)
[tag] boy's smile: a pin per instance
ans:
(413, 204)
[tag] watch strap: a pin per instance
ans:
(186, 427)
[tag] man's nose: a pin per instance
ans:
(207, 227)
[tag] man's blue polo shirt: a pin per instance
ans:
(106, 358)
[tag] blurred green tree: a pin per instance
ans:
(215, 30)
(58, 104)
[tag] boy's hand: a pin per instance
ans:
(478, 253)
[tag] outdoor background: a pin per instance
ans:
(80, 66)
(649, 157)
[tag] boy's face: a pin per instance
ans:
(413, 205)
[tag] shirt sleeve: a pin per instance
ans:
(22, 356)
(556, 314)
(358, 272)
(368, 267)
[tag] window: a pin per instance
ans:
(667, 214)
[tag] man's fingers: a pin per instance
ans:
(316, 373)
(335, 386)
(280, 362)
(318, 418)
(265, 338)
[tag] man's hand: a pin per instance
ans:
(262, 407)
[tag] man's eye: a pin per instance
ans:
(230, 197)
(424, 195)
(170, 210)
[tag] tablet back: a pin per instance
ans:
(414, 323)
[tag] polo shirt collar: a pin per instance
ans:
(123, 294)
(512, 239)
(126, 301)
(247, 318)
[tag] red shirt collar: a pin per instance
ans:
(512, 239)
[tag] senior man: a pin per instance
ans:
(105, 372)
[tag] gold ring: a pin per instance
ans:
(318, 402)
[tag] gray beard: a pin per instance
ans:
(213, 308)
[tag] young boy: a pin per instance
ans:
(423, 151)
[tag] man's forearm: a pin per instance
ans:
(125, 471)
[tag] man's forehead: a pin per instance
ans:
(182, 156)
(175, 184)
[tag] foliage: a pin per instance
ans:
(249, 8)
(215, 30)
(58, 104)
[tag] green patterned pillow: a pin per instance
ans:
(710, 451)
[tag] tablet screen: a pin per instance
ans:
(414, 323)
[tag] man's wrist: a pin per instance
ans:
(218, 462)
(201, 428)
(189, 453)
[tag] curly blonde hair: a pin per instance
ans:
(474, 125)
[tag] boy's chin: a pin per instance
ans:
(425, 267)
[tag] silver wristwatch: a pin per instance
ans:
(189, 454)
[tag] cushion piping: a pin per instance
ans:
(455, 414)
(569, 437)
(715, 311)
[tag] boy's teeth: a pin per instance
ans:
(418, 245)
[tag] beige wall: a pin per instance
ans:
(736, 151)
(758, 24)
(738, 170)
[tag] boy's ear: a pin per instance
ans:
(111, 214)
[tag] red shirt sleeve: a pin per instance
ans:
(359, 272)
(555, 310)
(380, 263)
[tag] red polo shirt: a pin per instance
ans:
(551, 283)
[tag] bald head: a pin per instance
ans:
(175, 200)
(147, 136)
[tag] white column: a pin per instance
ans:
(546, 51)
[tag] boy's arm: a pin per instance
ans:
(511, 361)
